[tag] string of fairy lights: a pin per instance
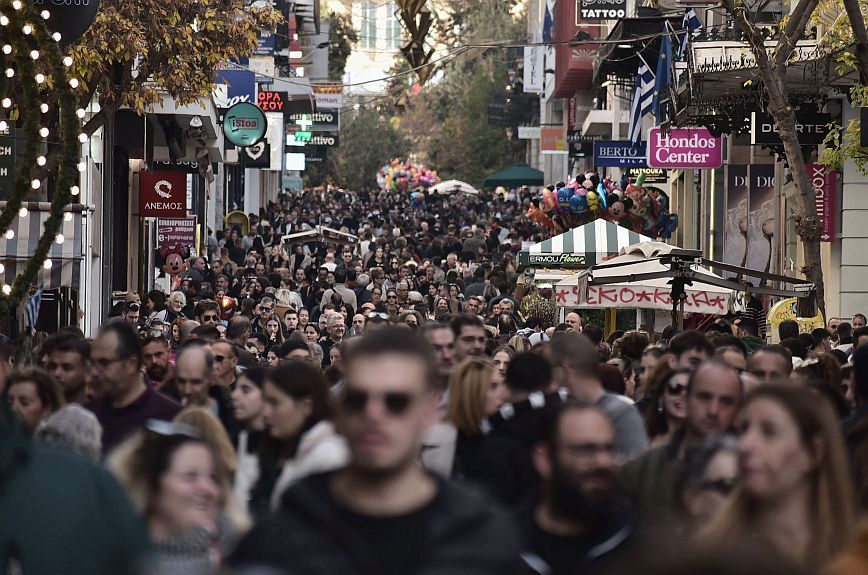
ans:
(30, 57)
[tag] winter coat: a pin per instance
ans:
(60, 513)
(466, 535)
(320, 449)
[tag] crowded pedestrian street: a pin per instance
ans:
(433, 287)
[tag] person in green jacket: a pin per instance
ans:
(60, 513)
(714, 395)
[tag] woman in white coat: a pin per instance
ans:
(302, 440)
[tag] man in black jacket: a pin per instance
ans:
(383, 514)
(582, 521)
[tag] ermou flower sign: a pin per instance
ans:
(689, 148)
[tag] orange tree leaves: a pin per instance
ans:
(137, 49)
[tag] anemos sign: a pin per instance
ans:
(692, 148)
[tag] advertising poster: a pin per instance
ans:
(735, 231)
(762, 218)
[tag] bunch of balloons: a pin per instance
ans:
(403, 176)
(645, 210)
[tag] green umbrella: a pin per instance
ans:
(518, 175)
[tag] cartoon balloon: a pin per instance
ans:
(564, 195)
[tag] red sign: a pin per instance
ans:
(176, 235)
(572, 122)
(574, 65)
(162, 194)
(825, 186)
(271, 101)
(641, 297)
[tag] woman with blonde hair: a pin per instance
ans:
(476, 390)
(795, 491)
(520, 343)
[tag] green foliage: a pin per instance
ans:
(842, 142)
(342, 38)
(368, 141)
(135, 50)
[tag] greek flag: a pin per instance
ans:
(642, 100)
(31, 309)
(691, 24)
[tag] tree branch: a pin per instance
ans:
(860, 34)
(793, 30)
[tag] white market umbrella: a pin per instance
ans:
(453, 186)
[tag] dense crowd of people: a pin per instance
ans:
(395, 397)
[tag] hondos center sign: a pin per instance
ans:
(688, 148)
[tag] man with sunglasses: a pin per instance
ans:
(714, 394)
(383, 513)
(207, 312)
(125, 402)
(266, 309)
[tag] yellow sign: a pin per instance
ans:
(786, 309)
(239, 219)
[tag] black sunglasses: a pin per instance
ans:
(396, 402)
(723, 486)
(675, 388)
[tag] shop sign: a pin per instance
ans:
(244, 124)
(325, 121)
(652, 175)
(617, 153)
(176, 234)
(688, 148)
(824, 182)
(552, 141)
(234, 86)
(811, 128)
(162, 194)
(186, 167)
(257, 155)
(602, 9)
(324, 140)
(564, 260)
(271, 101)
(528, 132)
(7, 160)
(265, 45)
(69, 18)
(327, 100)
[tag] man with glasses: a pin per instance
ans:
(582, 517)
(225, 364)
(336, 330)
(383, 513)
(207, 312)
(266, 309)
(125, 402)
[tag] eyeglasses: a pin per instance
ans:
(355, 401)
(377, 314)
(219, 358)
(724, 486)
(210, 317)
(265, 309)
(392, 296)
(675, 388)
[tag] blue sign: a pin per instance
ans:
(240, 87)
(265, 46)
(619, 153)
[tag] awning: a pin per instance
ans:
(520, 174)
(591, 288)
(452, 187)
(621, 55)
(319, 234)
(581, 247)
(65, 258)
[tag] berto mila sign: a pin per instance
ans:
(244, 124)
(688, 148)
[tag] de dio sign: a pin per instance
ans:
(688, 148)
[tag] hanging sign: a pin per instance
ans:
(162, 194)
(553, 141)
(176, 234)
(811, 128)
(244, 124)
(7, 160)
(688, 148)
(652, 175)
(257, 155)
(69, 18)
(617, 153)
(824, 181)
(602, 9)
